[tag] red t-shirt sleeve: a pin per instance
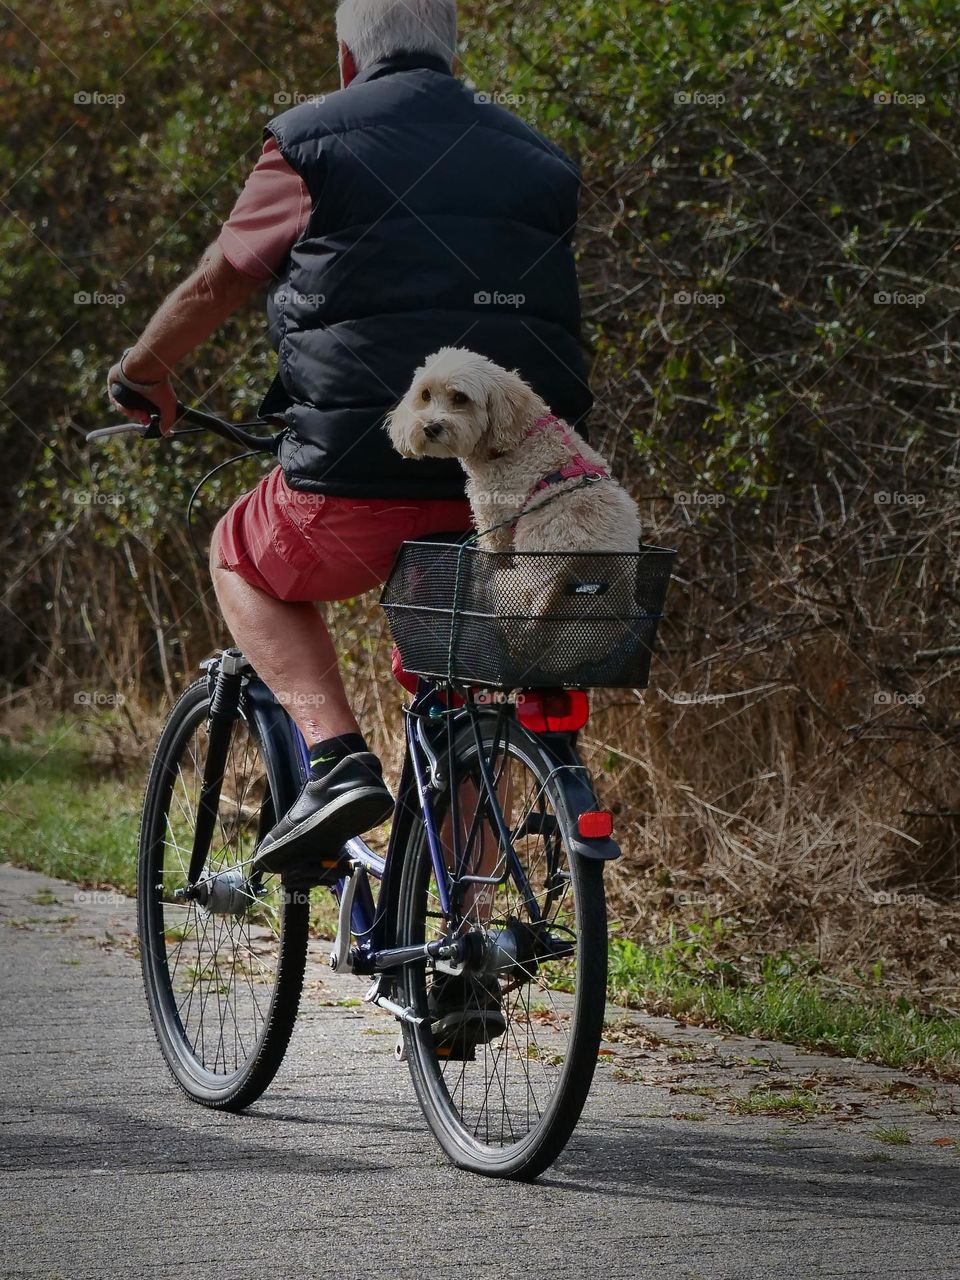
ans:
(270, 215)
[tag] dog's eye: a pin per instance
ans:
(425, 395)
(459, 398)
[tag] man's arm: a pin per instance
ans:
(268, 218)
(197, 307)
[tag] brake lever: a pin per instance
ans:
(122, 429)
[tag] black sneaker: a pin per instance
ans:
(350, 800)
(465, 1010)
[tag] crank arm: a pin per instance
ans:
(341, 948)
(374, 996)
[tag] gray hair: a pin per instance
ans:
(377, 29)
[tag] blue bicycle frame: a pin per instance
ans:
(372, 920)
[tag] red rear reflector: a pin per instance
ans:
(595, 825)
(553, 710)
(409, 682)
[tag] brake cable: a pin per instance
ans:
(240, 457)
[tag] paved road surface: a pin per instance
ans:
(109, 1172)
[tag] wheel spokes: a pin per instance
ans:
(505, 1090)
(222, 963)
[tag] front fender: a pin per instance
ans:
(281, 743)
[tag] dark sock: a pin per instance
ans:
(324, 755)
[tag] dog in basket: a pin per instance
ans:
(534, 485)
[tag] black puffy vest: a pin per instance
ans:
(439, 219)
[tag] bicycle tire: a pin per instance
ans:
(234, 1089)
(537, 1148)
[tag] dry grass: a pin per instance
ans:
(729, 811)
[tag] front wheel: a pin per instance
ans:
(507, 1106)
(222, 967)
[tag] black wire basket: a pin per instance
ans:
(527, 620)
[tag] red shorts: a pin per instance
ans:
(299, 546)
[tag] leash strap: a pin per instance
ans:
(584, 483)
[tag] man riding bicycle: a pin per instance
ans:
(402, 214)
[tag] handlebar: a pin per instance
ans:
(194, 417)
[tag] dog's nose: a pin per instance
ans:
(434, 430)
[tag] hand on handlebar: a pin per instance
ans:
(155, 420)
(162, 397)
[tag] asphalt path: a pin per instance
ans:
(108, 1171)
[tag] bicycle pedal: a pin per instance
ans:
(307, 877)
(455, 1053)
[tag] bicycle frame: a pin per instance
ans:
(371, 918)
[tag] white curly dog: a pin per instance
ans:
(533, 483)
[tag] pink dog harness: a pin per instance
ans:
(576, 467)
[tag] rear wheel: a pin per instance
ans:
(223, 970)
(508, 1109)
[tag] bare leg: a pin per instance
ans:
(486, 856)
(290, 647)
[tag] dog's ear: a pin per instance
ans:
(397, 424)
(512, 406)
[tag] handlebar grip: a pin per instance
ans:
(134, 400)
(131, 399)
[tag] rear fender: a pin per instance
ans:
(577, 794)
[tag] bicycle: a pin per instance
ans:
(492, 876)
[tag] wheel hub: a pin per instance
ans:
(516, 949)
(228, 893)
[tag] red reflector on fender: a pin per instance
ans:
(553, 710)
(595, 825)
